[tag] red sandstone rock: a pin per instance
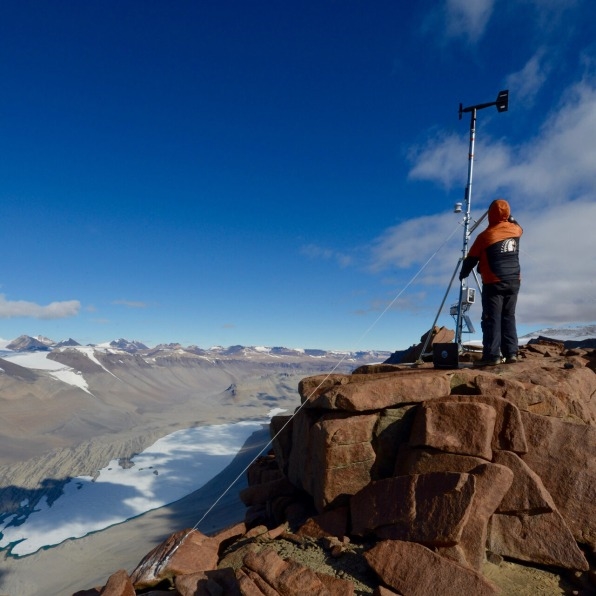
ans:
(362, 393)
(418, 460)
(229, 533)
(332, 455)
(492, 482)
(280, 430)
(264, 468)
(382, 591)
(543, 538)
(509, 434)
(329, 523)
(533, 397)
(118, 584)
(414, 570)
(261, 493)
(251, 584)
(219, 582)
(527, 493)
(465, 428)
(336, 586)
(563, 454)
(429, 508)
(285, 577)
(184, 552)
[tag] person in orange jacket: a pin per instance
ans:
(496, 252)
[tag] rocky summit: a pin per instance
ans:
(405, 479)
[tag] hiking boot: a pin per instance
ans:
(511, 359)
(488, 362)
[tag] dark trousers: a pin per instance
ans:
(499, 334)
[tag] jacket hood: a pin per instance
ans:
(498, 211)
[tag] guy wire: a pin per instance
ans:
(299, 408)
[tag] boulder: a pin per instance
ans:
(527, 493)
(280, 429)
(332, 456)
(563, 455)
(284, 577)
(186, 551)
(509, 434)
(466, 428)
(414, 460)
(391, 431)
(492, 483)
(329, 523)
(543, 538)
(259, 494)
(414, 570)
(428, 508)
(363, 393)
(219, 582)
(118, 584)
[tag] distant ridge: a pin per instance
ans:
(578, 333)
(572, 337)
(26, 343)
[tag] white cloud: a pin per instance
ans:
(525, 84)
(550, 169)
(412, 242)
(465, 18)
(551, 184)
(21, 308)
(558, 261)
(130, 303)
(318, 252)
(440, 160)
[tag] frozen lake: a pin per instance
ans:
(171, 468)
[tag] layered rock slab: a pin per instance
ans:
(465, 428)
(493, 481)
(273, 575)
(428, 508)
(332, 455)
(563, 455)
(543, 538)
(362, 393)
(186, 551)
(414, 570)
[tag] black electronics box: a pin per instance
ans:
(446, 355)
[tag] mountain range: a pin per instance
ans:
(26, 343)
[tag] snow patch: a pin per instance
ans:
(173, 467)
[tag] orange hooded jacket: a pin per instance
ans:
(496, 249)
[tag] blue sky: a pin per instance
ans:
(267, 172)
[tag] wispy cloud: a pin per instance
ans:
(316, 252)
(525, 84)
(21, 308)
(552, 168)
(467, 19)
(551, 183)
(407, 244)
(130, 303)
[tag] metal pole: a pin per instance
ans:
(468, 201)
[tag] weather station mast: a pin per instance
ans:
(466, 298)
(449, 352)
